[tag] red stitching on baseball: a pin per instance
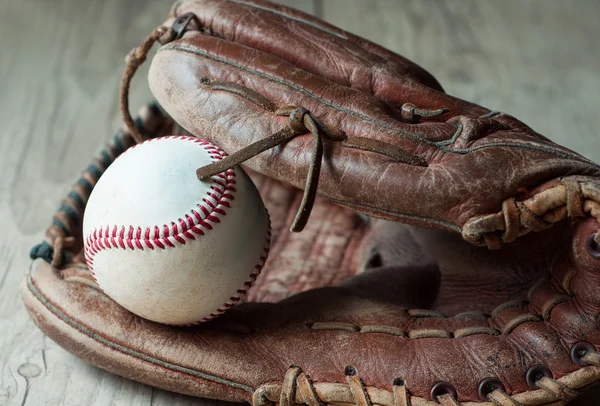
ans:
(213, 219)
(152, 238)
(197, 230)
(209, 202)
(241, 293)
(122, 237)
(218, 200)
(204, 211)
(183, 225)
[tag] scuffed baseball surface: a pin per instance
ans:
(168, 247)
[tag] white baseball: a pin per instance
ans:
(167, 246)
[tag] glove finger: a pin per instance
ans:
(435, 174)
(312, 45)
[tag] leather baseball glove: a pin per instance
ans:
(449, 254)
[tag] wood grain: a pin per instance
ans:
(537, 60)
(59, 70)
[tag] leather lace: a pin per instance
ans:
(301, 121)
(137, 56)
(297, 388)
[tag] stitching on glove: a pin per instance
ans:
(430, 333)
(507, 326)
(334, 326)
(472, 314)
(506, 305)
(395, 331)
(556, 298)
(469, 331)
(552, 303)
(425, 313)
(535, 287)
(517, 321)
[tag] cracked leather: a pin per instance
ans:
(476, 158)
(394, 302)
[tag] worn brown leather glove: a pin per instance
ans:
(496, 302)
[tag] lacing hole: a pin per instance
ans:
(535, 373)
(374, 262)
(399, 382)
(579, 350)
(408, 111)
(593, 248)
(487, 386)
(350, 371)
(442, 388)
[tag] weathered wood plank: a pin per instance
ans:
(537, 60)
(308, 6)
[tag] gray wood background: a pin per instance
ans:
(60, 62)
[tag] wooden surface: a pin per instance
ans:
(60, 63)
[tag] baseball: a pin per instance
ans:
(167, 246)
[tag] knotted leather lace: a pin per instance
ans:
(301, 122)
